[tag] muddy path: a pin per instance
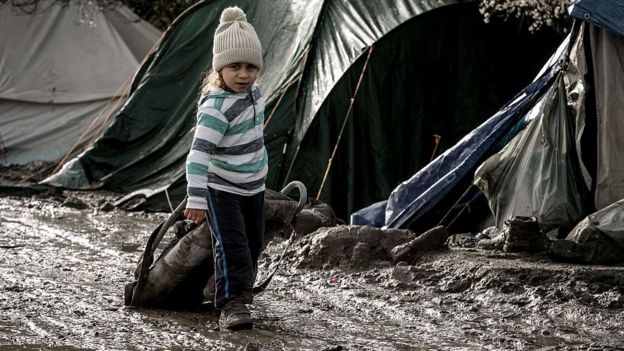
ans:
(62, 273)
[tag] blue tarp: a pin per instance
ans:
(373, 215)
(419, 195)
(606, 14)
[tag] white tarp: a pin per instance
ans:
(608, 62)
(56, 74)
(535, 168)
(536, 174)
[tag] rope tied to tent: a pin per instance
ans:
(344, 123)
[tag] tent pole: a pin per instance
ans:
(436, 140)
(344, 123)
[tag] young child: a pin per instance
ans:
(227, 165)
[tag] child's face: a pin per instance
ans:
(239, 76)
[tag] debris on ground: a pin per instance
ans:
(314, 216)
(28, 173)
(597, 239)
(427, 242)
(74, 202)
(62, 273)
(350, 247)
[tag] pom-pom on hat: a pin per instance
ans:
(235, 41)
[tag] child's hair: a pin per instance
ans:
(211, 80)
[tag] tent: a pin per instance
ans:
(413, 68)
(57, 75)
(553, 152)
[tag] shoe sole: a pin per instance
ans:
(242, 325)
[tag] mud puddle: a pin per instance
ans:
(62, 273)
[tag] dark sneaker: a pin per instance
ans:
(235, 315)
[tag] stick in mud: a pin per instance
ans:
(260, 288)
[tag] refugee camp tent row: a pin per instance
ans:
(413, 69)
(62, 68)
(554, 152)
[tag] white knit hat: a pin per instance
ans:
(235, 41)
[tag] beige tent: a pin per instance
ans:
(58, 73)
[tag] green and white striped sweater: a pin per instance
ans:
(228, 150)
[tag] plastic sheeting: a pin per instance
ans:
(541, 173)
(604, 14)
(577, 86)
(608, 221)
(373, 215)
(536, 173)
(596, 83)
(452, 170)
(57, 74)
(608, 72)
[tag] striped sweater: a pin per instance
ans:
(228, 150)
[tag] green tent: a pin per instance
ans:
(413, 69)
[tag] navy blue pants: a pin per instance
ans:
(237, 224)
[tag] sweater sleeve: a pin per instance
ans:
(211, 126)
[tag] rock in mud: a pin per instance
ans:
(279, 207)
(430, 240)
(600, 250)
(31, 172)
(74, 202)
(252, 346)
(317, 215)
(586, 243)
(353, 247)
(106, 206)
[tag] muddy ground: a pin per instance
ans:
(63, 269)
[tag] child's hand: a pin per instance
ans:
(194, 214)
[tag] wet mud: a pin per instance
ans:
(63, 270)
(29, 173)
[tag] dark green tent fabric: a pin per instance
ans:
(416, 85)
(146, 145)
(435, 68)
